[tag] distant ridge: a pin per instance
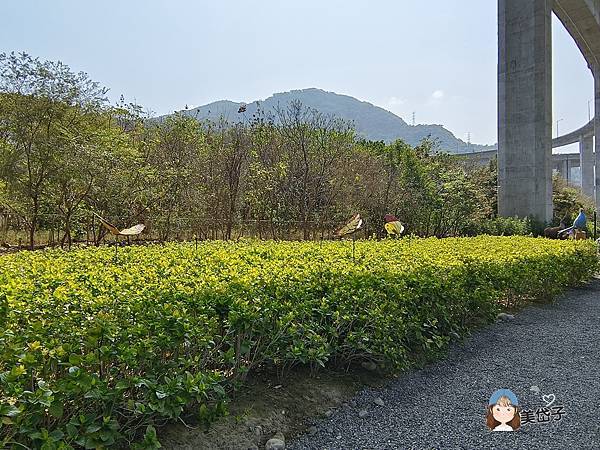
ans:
(370, 121)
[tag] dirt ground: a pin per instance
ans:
(266, 406)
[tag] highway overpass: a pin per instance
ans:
(525, 160)
(563, 163)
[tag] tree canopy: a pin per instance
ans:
(65, 152)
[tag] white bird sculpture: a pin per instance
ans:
(131, 231)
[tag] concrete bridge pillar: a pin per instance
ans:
(564, 169)
(586, 162)
(596, 72)
(525, 108)
(556, 167)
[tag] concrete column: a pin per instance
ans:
(596, 72)
(557, 167)
(564, 170)
(586, 162)
(525, 108)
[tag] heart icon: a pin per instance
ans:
(549, 399)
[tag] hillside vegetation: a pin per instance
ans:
(370, 122)
(66, 153)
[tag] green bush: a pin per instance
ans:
(501, 226)
(95, 350)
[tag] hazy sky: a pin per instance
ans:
(437, 58)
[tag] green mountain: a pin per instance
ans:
(370, 121)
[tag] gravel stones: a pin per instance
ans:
(378, 401)
(443, 405)
(505, 317)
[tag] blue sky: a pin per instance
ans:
(434, 57)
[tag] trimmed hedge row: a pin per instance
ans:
(94, 350)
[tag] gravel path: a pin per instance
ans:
(555, 347)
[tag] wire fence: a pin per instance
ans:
(52, 230)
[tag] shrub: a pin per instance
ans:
(501, 226)
(94, 350)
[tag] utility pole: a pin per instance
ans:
(557, 126)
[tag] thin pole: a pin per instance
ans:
(557, 122)
(594, 225)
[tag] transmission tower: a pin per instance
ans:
(413, 119)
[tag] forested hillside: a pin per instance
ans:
(370, 122)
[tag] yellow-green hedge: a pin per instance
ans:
(93, 349)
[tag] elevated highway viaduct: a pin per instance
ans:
(562, 162)
(525, 142)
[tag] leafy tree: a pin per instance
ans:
(176, 154)
(89, 140)
(568, 200)
(40, 103)
(312, 143)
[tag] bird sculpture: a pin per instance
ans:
(353, 225)
(132, 231)
(578, 224)
(392, 226)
